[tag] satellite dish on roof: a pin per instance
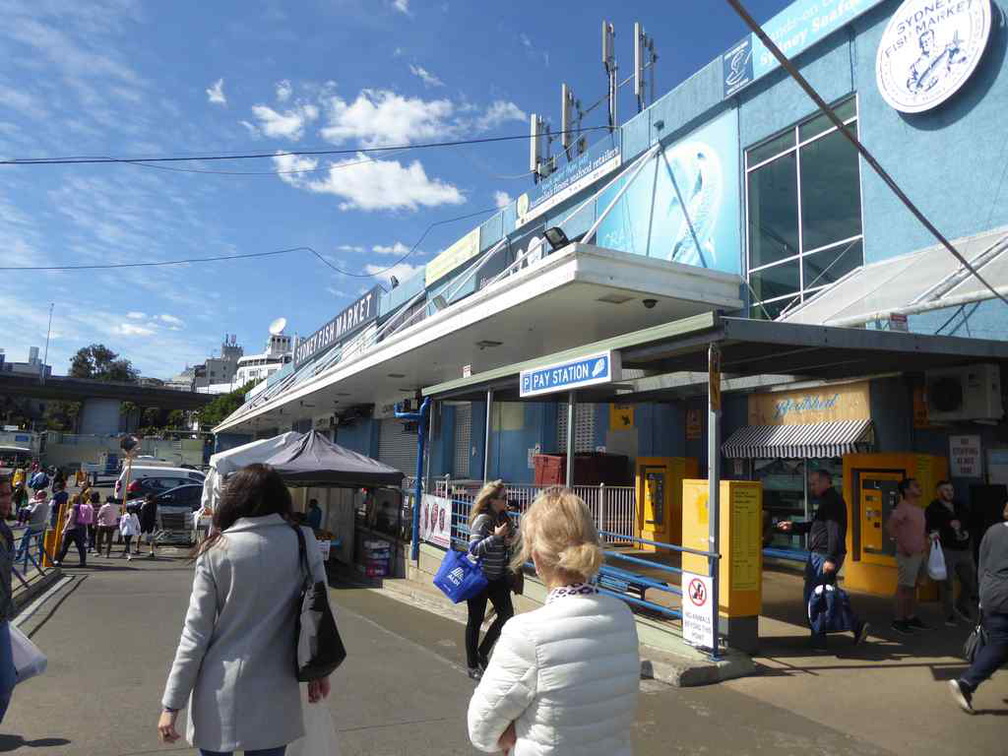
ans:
(277, 326)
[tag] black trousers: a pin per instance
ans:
(77, 536)
(498, 592)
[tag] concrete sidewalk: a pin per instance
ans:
(111, 635)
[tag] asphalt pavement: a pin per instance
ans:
(111, 632)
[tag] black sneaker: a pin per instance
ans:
(861, 634)
(475, 673)
(819, 644)
(962, 695)
(902, 627)
(917, 624)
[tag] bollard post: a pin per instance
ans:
(602, 507)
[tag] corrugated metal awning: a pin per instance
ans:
(812, 440)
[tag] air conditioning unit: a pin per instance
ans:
(964, 393)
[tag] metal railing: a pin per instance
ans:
(614, 508)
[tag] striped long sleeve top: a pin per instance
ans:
(490, 548)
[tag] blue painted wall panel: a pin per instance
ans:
(401, 294)
(361, 436)
(777, 102)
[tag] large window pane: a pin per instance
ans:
(831, 264)
(845, 110)
(831, 194)
(776, 281)
(769, 310)
(772, 147)
(773, 212)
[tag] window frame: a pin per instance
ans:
(797, 144)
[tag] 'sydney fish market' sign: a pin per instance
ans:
(347, 323)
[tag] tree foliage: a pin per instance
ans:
(213, 413)
(100, 363)
(62, 416)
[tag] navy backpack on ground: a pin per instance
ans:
(829, 610)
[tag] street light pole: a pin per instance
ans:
(45, 357)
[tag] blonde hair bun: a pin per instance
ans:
(585, 559)
(560, 530)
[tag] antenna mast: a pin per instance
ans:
(609, 61)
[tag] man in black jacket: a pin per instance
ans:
(827, 544)
(946, 522)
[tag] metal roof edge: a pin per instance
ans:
(705, 321)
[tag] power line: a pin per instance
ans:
(100, 160)
(868, 157)
(245, 256)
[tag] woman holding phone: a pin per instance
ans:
(490, 535)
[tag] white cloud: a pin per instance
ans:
(351, 248)
(526, 42)
(380, 118)
(171, 320)
(402, 271)
(136, 315)
(291, 168)
(215, 93)
(284, 90)
(289, 124)
(426, 76)
(251, 128)
(396, 250)
(364, 184)
(502, 199)
(129, 329)
(499, 113)
(402, 6)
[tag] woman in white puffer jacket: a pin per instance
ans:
(564, 678)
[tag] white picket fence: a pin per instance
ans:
(614, 508)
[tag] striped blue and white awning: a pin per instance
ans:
(808, 440)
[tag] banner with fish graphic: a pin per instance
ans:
(685, 205)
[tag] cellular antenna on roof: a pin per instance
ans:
(644, 59)
(609, 61)
(570, 122)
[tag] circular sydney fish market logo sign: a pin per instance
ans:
(929, 49)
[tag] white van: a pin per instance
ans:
(145, 480)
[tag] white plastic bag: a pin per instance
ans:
(28, 659)
(320, 733)
(936, 562)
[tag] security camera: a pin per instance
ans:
(650, 303)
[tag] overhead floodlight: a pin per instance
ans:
(439, 302)
(556, 237)
(393, 281)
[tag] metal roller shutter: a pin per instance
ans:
(396, 447)
(584, 428)
(463, 440)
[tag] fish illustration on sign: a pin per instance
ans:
(599, 367)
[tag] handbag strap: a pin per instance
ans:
(302, 555)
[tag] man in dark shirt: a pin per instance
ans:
(314, 516)
(946, 522)
(827, 544)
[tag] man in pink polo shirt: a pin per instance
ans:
(907, 527)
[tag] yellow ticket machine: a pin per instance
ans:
(740, 572)
(870, 489)
(659, 498)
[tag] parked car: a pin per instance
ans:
(175, 508)
(145, 480)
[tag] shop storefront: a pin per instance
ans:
(789, 434)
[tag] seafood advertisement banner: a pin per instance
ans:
(436, 520)
(684, 205)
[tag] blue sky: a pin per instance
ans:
(125, 78)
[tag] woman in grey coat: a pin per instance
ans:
(234, 666)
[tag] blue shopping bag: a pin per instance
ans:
(460, 576)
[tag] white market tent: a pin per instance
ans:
(224, 463)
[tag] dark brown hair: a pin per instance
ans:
(256, 490)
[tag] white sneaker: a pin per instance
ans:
(129, 557)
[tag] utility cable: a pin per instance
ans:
(246, 256)
(868, 157)
(98, 160)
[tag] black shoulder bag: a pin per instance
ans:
(319, 649)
